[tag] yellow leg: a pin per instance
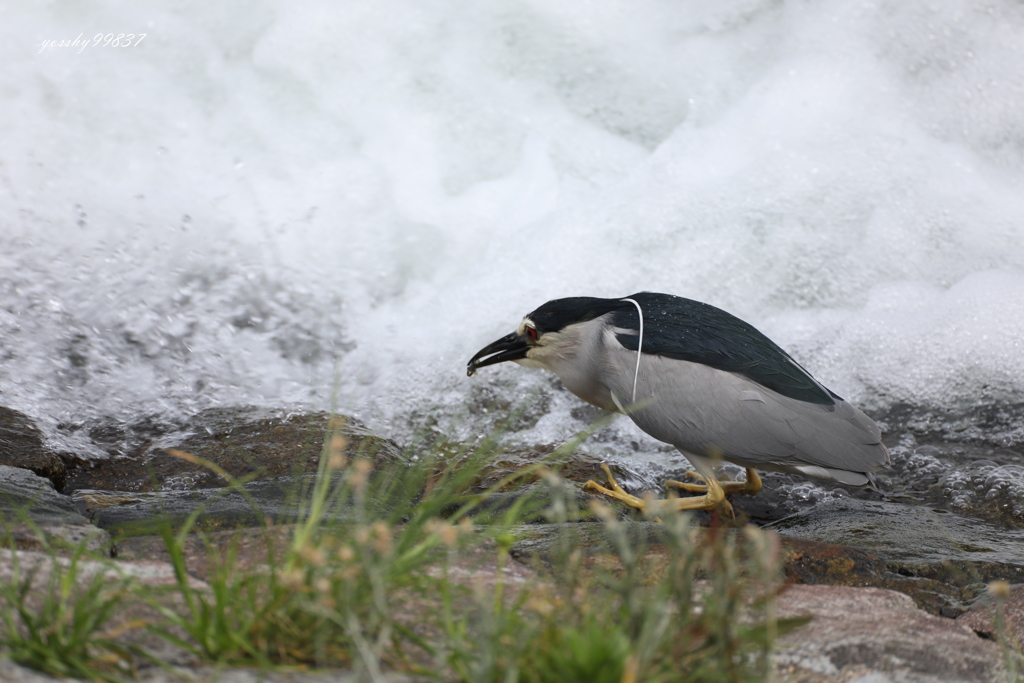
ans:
(616, 490)
(713, 497)
(749, 487)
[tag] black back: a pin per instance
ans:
(689, 330)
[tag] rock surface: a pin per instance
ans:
(32, 513)
(905, 534)
(22, 564)
(240, 442)
(861, 632)
(21, 445)
(865, 634)
(39, 575)
(13, 673)
(834, 549)
(981, 617)
(942, 558)
(167, 472)
(118, 512)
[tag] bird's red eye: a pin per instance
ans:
(531, 332)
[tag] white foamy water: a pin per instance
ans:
(217, 213)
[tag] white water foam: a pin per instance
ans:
(217, 213)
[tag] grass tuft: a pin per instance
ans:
(56, 616)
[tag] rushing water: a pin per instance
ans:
(305, 204)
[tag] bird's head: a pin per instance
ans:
(551, 332)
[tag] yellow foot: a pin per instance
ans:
(713, 497)
(749, 487)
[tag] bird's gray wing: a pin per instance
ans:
(707, 411)
(689, 330)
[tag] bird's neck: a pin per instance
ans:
(576, 355)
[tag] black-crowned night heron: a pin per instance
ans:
(698, 378)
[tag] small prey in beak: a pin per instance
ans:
(510, 347)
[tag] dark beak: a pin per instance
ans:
(509, 347)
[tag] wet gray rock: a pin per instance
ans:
(915, 540)
(29, 506)
(160, 473)
(239, 442)
(873, 634)
(22, 445)
(279, 501)
(940, 558)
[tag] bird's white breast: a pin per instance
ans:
(578, 354)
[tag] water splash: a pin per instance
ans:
(219, 213)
